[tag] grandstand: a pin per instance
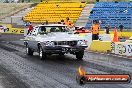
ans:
(54, 11)
(112, 13)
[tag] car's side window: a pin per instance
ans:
(42, 30)
(48, 29)
(54, 29)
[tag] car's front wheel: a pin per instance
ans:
(29, 51)
(42, 54)
(79, 55)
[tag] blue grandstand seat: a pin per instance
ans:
(112, 13)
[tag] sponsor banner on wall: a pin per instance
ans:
(8, 29)
(17, 31)
(123, 48)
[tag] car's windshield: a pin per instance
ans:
(48, 29)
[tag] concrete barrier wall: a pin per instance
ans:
(125, 34)
(17, 30)
(101, 46)
(120, 34)
(106, 45)
(13, 30)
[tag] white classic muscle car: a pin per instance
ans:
(54, 39)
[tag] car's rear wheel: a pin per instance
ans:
(42, 54)
(79, 55)
(29, 51)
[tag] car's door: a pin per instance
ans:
(32, 42)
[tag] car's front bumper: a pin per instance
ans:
(63, 49)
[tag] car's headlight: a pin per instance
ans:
(50, 44)
(80, 43)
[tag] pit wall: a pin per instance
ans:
(105, 45)
(118, 48)
(101, 46)
(126, 34)
(13, 30)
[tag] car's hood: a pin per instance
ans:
(59, 36)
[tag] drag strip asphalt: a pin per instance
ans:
(56, 71)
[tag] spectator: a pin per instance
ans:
(26, 24)
(95, 30)
(121, 28)
(107, 29)
(68, 22)
(30, 28)
(57, 5)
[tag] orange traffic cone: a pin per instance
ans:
(115, 38)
